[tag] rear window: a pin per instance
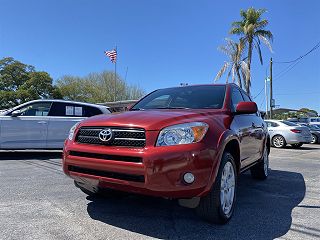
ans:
(289, 123)
(60, 109)
(194, 97)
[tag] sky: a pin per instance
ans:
(163, 43)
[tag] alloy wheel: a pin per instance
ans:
(227, 188)
(278, 141)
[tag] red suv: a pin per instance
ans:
(188, 143)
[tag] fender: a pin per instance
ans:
(224, 139)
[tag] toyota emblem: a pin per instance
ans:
(105, 135)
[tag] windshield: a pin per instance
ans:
(289, 123)
(190, 97)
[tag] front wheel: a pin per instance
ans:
(296, 145)
(218, 205)
(278, 141)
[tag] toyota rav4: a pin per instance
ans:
(188, 143)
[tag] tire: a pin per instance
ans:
(278, 141)
(210, 207)
(261, 170)
(296, 145)
(314, 139)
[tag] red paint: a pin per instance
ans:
(163, 167)
(247, 107)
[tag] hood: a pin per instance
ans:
(149, 119)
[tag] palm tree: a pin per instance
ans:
(237, 65)
(252, 31)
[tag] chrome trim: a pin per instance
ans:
(130, 139)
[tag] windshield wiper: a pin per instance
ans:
(137, 109)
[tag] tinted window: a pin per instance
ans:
(72, 110)
(36, 109)
(91, 111)
(195, 97)
(236, 97)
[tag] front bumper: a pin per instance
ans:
(159, 173)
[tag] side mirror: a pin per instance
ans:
(15, 113)
(246, 108)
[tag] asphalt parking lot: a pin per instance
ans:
(38, 201)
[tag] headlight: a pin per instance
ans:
(182, 134)
(72, 130)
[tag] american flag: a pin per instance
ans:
(112, 55)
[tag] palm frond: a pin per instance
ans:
(236, 30)
(266, 42)
(222, 71)
(265, 33)
(262, 24)
(233, 70)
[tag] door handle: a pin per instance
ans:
(42, 122)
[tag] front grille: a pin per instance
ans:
(100, 173)
(106, 156)
(127, 137)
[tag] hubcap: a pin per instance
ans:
(278, 142)
(265, 162)
(227, 188)
(313, 139)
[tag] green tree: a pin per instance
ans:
(20, 82)
(235, 64)
(252, 30)
(97, 88)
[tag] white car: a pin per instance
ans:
(314, 121)
(43, 124)
(284, 132)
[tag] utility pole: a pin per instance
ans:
(271, 91)
(266, 94)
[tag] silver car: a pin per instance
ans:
(43, 124)
(285, 132)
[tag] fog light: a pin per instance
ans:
(188, 178)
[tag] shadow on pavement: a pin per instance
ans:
(29, 155)
(263, 211)
(304, 147)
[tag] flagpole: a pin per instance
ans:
(115, 76)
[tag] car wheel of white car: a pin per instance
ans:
(314, 139)
(278, 141)
(218, 205)
(261, 169)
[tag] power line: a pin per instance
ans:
(302, 56)
(294, 62)
(281, 74)
(258, 93)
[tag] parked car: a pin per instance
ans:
(315, 121)
(284, 132)
(188, 143)
(43, 124)
(315, 132)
